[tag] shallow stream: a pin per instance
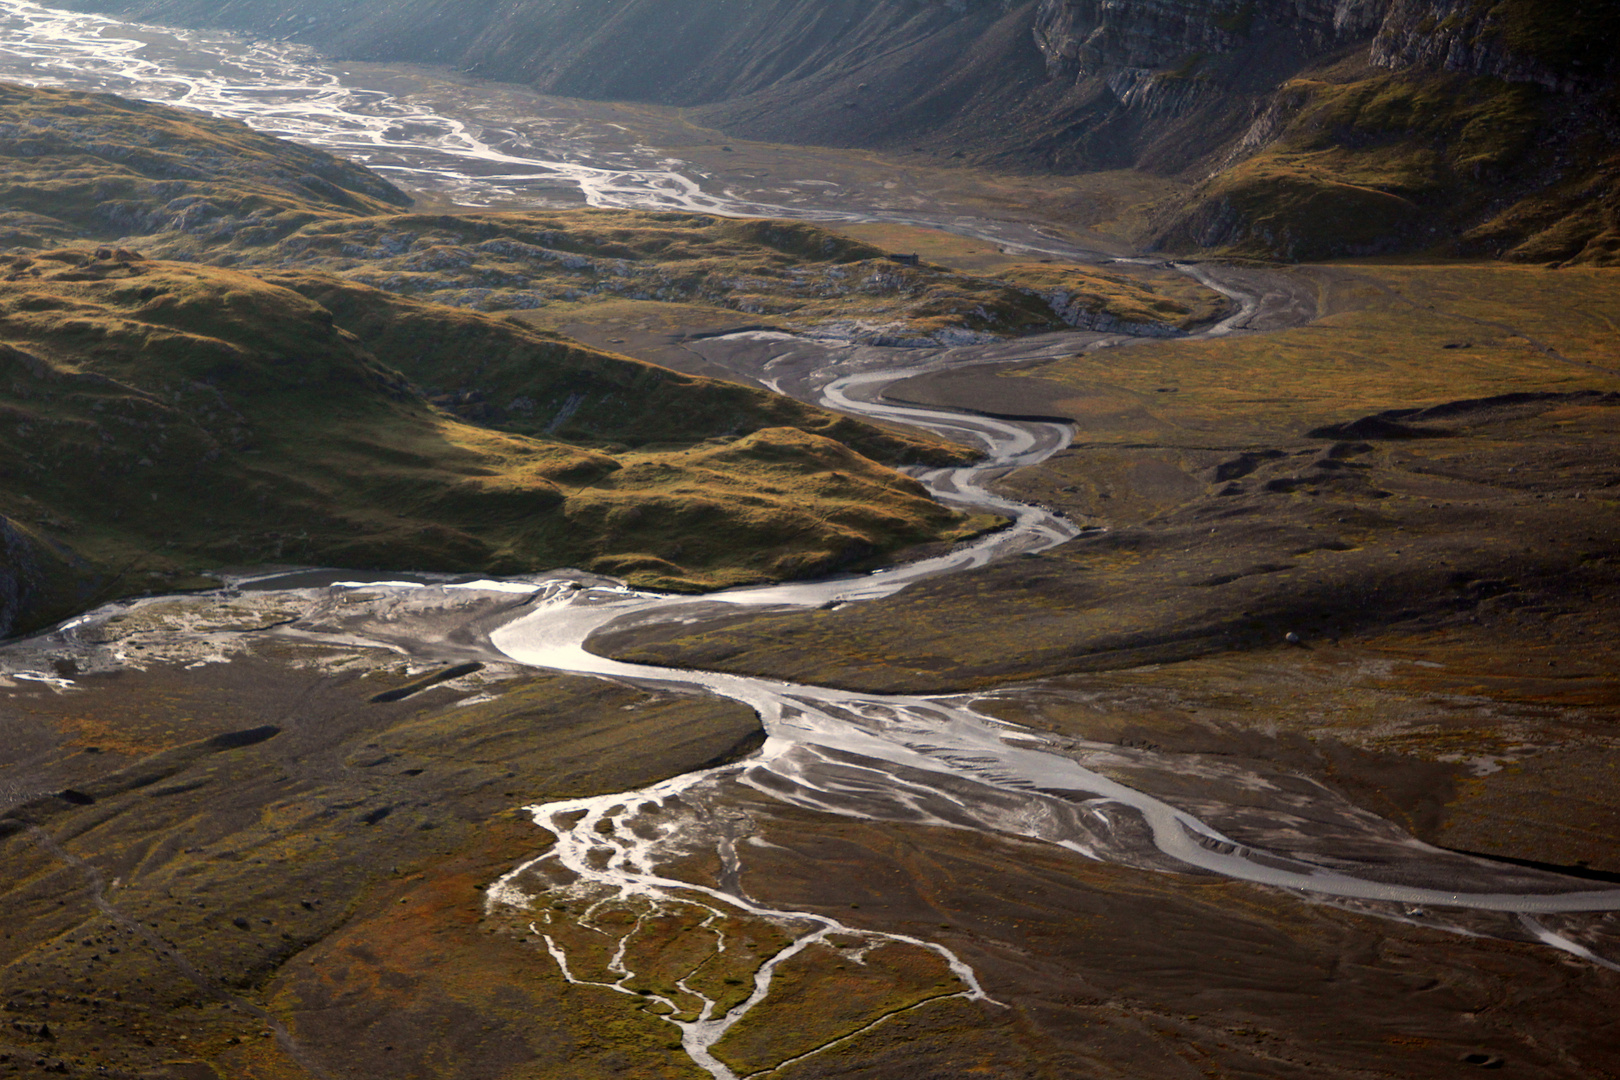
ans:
(918, 760)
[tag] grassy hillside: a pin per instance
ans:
(784, 273)
(314, 404)
(563, 264)
(163, 418)
(1372, 161)
(175, 184)
(96, 167)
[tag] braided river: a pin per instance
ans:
(930, 761)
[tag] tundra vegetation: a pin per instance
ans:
(328, 379)
(1369, 557)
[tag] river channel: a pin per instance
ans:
(907, 759)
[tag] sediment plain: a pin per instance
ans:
(1324, 569)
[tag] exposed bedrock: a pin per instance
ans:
(1097, 37)
(1067, 84)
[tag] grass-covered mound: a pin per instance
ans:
(561, 264)
(79, 166)
(173, 183)
(1369, 161)
(164, 418)
(502, 373)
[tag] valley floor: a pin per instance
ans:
(1345, 583)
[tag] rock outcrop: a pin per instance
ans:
(1563, 45)
(1099, 37)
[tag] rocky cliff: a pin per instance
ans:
(1563, 45)
(1100, 37)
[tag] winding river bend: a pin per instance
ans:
(919, 760)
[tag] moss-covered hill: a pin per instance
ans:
(161, 418)
(1371, 161)
(79, 166)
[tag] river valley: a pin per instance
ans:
(800, 861)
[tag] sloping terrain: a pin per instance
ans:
(791, 275)
(161, 418)
(177, 184)
(96, 167)
(1472, 127)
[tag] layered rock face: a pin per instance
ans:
(1057, 84)
(1003, 74)
(1564, 45)
(1097, 37)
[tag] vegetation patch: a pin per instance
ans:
(163, 418)
(77, 166)
(1379, 162)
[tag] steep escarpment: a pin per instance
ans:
(1091, 37)
(1323, 129)
(1559, 44)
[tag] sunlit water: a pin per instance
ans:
(917, 760)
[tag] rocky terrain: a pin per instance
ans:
(1311, 129)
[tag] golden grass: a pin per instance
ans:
(586, 264)
(1394, 336)
(163, 418)
(1372, 162)
(82, 166)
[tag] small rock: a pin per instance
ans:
(1293, 639)
(240, 923)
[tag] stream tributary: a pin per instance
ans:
(927, 761)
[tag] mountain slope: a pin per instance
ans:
(92, 166)
(1232, 92)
